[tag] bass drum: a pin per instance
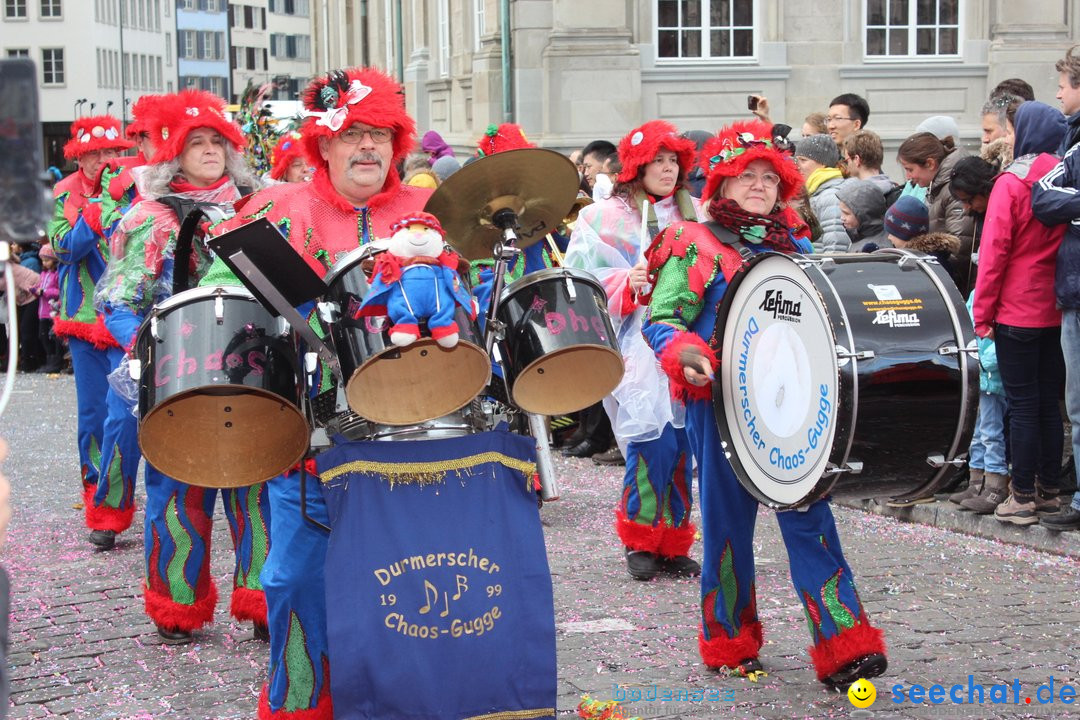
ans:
(391, 385)
(219, 389)
(831, 367)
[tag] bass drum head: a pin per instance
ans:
(568, 380)
(224, 436)
(419, 382)
(778, 381)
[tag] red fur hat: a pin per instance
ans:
(500, 138)
(423, 218)
(641, 145)
(340, 98)
(739, 144)
(288, 148)
(172, 117)
(142, 112)
(95, 132)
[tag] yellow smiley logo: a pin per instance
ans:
(862, 693)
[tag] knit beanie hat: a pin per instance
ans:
(941, 126)
(907, 218)
(819, 148)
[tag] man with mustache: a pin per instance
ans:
(356, 131)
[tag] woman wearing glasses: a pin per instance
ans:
(198, 160)
(750, 180)
(609, 240)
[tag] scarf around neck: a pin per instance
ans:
(821, 176)
(772, 231)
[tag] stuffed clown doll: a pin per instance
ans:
(417, 279)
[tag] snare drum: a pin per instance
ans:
(558, 352)
(391, 385)
(219, 389)
(845, 363)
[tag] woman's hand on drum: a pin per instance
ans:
(639, 277)
(695, 366)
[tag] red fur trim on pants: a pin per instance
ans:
(96, 334)
(637, 536)
(169, 614)
(248, 604)
(722, 651)
(834, 653)
(103, 517)
(672, 366)
(324, 710)
(676, 541)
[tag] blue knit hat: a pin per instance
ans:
(907, 218)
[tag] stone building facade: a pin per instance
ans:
(583, 70)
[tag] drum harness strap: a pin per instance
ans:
(190, 213)
(726, 237)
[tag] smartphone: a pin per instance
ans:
(751, 102)
(23, 206)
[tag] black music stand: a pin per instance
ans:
(275, 274)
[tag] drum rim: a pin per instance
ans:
(246, 390)
(828, 476)
(238, 292)
(547, 273)
(350, 260)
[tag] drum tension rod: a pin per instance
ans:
(940, 461)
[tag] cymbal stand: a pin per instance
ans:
(503, 252)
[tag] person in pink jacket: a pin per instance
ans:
(1015, 305)
(48, 293)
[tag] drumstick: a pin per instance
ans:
(554, 250)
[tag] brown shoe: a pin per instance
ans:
(994, 491)
(1018, 511)
(974, 486)
(1047, 500)
(609, 457)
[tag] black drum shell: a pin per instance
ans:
(220, 394)
(358, 342)
(559, 339)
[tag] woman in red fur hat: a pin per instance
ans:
(290, 163)
(751, 177)
(198, 158)
(609, 240)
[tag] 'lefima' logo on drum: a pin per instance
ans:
(781, 308)
(896, 319)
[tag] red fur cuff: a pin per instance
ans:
(676, 541)
(671, 364)
(168, 613)
(833, 653)
(637, 536)
(440, 332)
(722, 651)
(248, 604)
(103, 517)
(324, 710)
(94, 333)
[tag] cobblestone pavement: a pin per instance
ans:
(951, 606)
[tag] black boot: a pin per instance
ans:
(173, 636)
(103, 539)
(868, 666)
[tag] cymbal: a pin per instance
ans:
(539, 185)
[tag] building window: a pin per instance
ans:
(52, 66)
(157, 64)
(186, 48)
(299, 8)
(18, 52)
(704, 29)
(912, 28)
(14, 9)
(480, 24)
(186, 5)
(51, 9)
(444, 38)
(168, 49)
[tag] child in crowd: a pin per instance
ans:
(47, 291)
(986, 457)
